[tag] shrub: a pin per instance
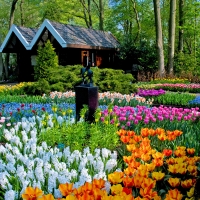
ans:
(37, 88)
(46, 59)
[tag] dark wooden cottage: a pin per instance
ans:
(73, 45)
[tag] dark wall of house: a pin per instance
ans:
(69, 56)
(25, 69)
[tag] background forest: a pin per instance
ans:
(160, 35)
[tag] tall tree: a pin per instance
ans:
(12, 12)
(159, 39)
(87, 12)
(22, 12)
(137, 19)
(100, 11)
(181, 24)
(11, 20)
(171, 43)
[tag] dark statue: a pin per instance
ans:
(87, 75)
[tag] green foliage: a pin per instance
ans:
(113, 80)
(81, 135)
(186, 63)
(46, 60)
(38, 88)
(172, 98)
(66, 78)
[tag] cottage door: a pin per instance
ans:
(98, 60)
(85, 58)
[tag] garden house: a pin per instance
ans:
(73, 45)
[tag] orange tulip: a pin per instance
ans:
(148, 183)
(145, 157)
(98, 183)
(159, 131)
(170, 161)
(152, 132)
(98, 193)
(128, 159)
(86, 196)
(177, 133)
(66, 188)
(47, 197)
(191, 151)
(138, 181)
(167, 152)
(147, 193)
(171, 137)
(162, 137)
(32, 193)
(144, 132)
(125, 139)
(128, 182)
(158, 175)
(87, 187)
(130, 133)
(158, 162)
(127, 190)
(130, 171)
(137, 138)
(179, 153)
(116, 177)
(121, 132)
(174, 195)
(174, 182)
(191, 161)
(187, 183)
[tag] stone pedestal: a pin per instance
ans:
(86, 95)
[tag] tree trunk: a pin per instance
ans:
(181, 24)
(1, 67)
(11, 21)
(12, 12)
(101, 15)
(159, 39)
(171, 43)
(89, 14)
(137, 20)
(22, 12)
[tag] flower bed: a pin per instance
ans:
(146, 164)
(193, 88)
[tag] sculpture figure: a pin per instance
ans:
(87, 73)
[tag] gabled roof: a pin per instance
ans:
(25, 35)
(76, 36)
(66, 35)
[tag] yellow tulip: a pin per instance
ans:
(116, 189)
(174, 182)
(190, 193)
(158, 175)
